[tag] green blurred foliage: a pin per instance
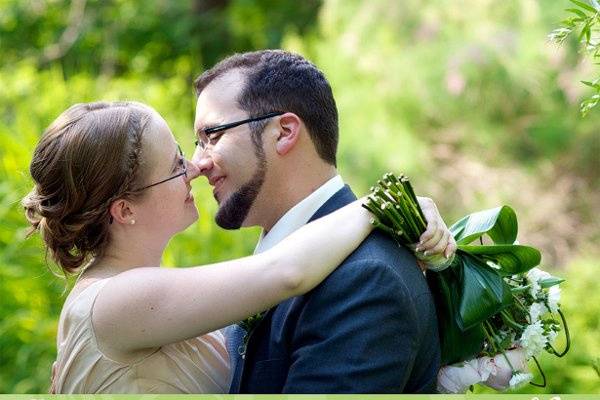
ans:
(467, 97)
(158, 37)
(584, 21)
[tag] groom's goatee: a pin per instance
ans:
(235, 209)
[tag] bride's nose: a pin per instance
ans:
(202, 161)
(192, 170)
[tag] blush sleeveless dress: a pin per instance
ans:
(198, 365)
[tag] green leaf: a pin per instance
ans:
(578, 12)
(549, 282)
(499, 223)
(585, 31)
(456, 344)
(512, 259)
(583, 5)
(588, 33)
(483, 293)
(590, 84)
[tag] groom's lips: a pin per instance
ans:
(216, 182)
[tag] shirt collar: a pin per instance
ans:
(299, 214)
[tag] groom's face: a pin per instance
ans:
(234, 165)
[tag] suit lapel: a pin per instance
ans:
(341, 198)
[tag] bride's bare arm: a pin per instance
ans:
(149, 307)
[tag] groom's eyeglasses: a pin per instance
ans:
(205, 135)
(181, 169)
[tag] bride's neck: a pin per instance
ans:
(120, 258)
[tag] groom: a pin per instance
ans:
(267, 130)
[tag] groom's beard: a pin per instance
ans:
(235, 209)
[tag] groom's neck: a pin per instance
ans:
(287, 192)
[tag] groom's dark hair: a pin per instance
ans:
(278, 80)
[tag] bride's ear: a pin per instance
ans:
(121, 212)
(289, 133)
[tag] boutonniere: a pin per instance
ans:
(248, 325)
(251, 322)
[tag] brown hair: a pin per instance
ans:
(277, 80)
(87, 158)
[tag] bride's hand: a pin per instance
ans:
(437, 238)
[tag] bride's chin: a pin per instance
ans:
(192, 219)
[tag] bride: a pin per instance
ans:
(111, 189)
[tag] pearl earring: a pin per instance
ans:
(132, 222)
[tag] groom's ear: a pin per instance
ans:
(289, 133)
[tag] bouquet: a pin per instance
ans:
(496, 309)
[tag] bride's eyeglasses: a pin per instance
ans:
(180, 169)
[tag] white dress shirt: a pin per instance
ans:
(299, 215)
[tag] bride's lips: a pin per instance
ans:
(189, 198)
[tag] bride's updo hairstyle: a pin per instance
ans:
(87, 158)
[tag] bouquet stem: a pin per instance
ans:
(543, 384)
(397, 212)
(567, 335)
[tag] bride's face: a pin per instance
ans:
(168, 206)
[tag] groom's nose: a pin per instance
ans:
(202, 161)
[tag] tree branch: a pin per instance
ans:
(69, 36)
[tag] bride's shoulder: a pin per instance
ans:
(102, 276)
(80, 288)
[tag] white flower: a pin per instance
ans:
(533, 339)
(519, 379)
(534, 289)
(551, 336)
(536, 310)
(534, 276)
(553, 298)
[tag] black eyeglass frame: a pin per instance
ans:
(219, 128)
(171, 177)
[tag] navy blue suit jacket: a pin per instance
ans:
(370, 327)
